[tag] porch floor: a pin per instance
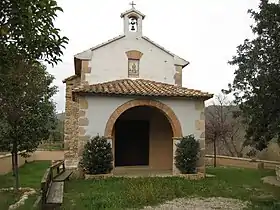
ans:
(140, 171)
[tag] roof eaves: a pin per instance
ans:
(157, 45)
(107, 42)
(131, 11)
(82, 91)
(88, 90)
(165, 50)
(86, 55)
(70, 78)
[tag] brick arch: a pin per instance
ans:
(166, 110)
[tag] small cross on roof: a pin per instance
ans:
(132, 4)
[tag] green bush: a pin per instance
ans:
(187, 154)
(97, 156)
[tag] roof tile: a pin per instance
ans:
(141, 87)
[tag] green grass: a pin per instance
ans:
(121, 193)
(8, 198)
(30, 175)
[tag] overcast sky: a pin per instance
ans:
(203, 32)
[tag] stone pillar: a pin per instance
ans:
(70, 124)
(83, 123)
(110, 140)
(79, 138)
(178, 75)
(175, 170)
(70, 157)
(86, 69)
(200, 134)
(201, 161)
(75, 119)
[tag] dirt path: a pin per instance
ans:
(201, 204)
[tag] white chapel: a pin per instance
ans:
(129, 90)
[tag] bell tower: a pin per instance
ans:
(132, 21)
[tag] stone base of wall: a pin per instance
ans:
(71, 163)
(49, 155)
(97, 176)
(201, 169)
(196, 176)
(241, 162)
(78, 173)
(6, 162)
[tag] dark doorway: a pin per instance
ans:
(131, 142)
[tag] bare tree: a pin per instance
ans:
(235, 140)
(216, 129)
(223, 129)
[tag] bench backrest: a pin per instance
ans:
(58, 167)
(45, 184)
(49, 176)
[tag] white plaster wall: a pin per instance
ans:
(101, 108)
(99, 111)
(186, 114)
(110, 61)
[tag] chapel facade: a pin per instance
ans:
(135, 100)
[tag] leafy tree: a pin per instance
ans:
(27, 36)
(27, 32)
(26, 109)
(187, 154)
(56, 135)
(256, 84)
(97, 156)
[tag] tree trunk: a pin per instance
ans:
(16, 170)
(215, 153)
(15, 154)
(13, 164)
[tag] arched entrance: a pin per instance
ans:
(166, 110)
(142, 132)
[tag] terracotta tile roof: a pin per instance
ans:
(141, 87)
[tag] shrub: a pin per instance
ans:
(187, 154)
(97, 156)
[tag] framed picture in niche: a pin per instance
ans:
(133, 68)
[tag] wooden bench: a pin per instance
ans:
(61, 174)
(52, 185)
